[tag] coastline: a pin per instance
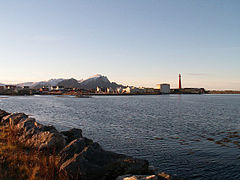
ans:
(73, 155)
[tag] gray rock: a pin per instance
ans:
(72, 134)
(13, 118)
(41, 137)
(46, 141)
(2, 114)
(90, 161)
(5, 119)
(16, 117)
(81, 158)
(48, 128)
(74, 147)
(25, 124)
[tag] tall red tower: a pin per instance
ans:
(180, 82)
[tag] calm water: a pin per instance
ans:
(193, 136)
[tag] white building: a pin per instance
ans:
(60, 88)
(57, 88)
(165, 88)
(53, 88)
(127, 90)
(110, 90)
(119, 90)
(101, 90)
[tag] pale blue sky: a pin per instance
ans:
(133, 42)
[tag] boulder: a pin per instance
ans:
(74, 147)
(41, 137)
(72, 134)
(48, 128)
(46, 141)
(26, 124)
(87, 160)
(16, 117)
(5, 119)
(2, 114)
(13, 118)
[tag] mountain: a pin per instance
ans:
(30, 84)
(98, 81)
(69, 83)
(51, 82)
(89, 83)
(95, 81)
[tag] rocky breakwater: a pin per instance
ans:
(80, 157)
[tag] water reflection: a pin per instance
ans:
(194, 136)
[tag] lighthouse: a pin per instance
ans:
(180, 82)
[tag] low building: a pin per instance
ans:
(69, 89)
(110, 90)
(133, 90)
(44, 89)
(101, 90)
(127, 90)
(119, 90)
(11, 87)
(98, 90)
(165, 88)
(60, 88)
(53, 88)
(189, 91)
(26, 87)
(57, 88)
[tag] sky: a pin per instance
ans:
(132, 42)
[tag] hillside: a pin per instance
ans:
(90, 83)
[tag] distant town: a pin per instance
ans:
(97, 85)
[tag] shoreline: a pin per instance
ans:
(4, 96)
(75, 155)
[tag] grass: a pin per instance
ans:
(19, 162)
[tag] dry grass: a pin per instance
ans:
(19, 162)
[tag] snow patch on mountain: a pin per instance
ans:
(30, 84)
(95, 78)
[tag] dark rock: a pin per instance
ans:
(13, 118)
(2, 114)
(16, 117)
(81, 158)
(28, 134)
(48, 128)
(72, 134)
(46, 141)
(25, 124)
(27, 128)
(74, 147)
(5, 119)
(92, 162)
(36, 135)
